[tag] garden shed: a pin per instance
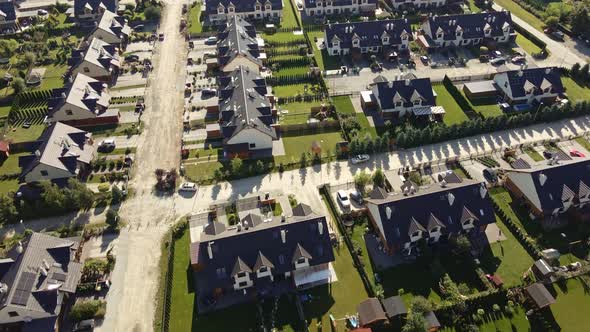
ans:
(371, 312)
(539, 295)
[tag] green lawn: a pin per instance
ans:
(290, 71)
(296, 145)
(194, 19)
(507, 258)
(4, 110)
(202, 171)
(522, 13)
(324, 61)
(53, 77)
(283, 37)
(571, 309)
(8, 185)
(20, 134)
(574, 91)
(518, 322)
(288, 20)
(473, 8)
(10, 165)
(344, 105)
(299, 112)
(536, 156)
(291, 89)
(454, 114)
(527, 44)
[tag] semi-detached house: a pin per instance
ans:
(219, 11)
(238, 46)
(338, 7)
(259, 257)
(418, 3)
(92, 10)
(112, 29)
(368, 37)
(530, 85)
(434, 213)
(467, 29)
(100, 60)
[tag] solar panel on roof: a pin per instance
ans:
(23, 288)
(59, 276)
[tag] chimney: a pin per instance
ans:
(483, 190)
(451, 199)
(210, 250)
(320, 228)
(547, 70)
(443, 183)
(19, 246)
(520, 73)
(283, 236)
(542, 179)
(407, 81)
(43, 271)
(45, 264)
(388, 212)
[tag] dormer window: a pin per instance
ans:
(398, 104)
(268, 7)
(301, 260)
(257, 7)
(435, 230)
(405, 36)
(487, 31)
(87, 10)
(439, 35)
(417, 102)
(385, 40)
(459, 33)
(231, 9)
(263, 269)
(220, 10)
(336, 44)
(547, 90)
(241, 274)
(416, 234)
(355, 42)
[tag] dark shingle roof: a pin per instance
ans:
(370, 311)
(406, 89)
(540, 295)
(378, 193)
(39, 277)
(446, 204)
(79, 5)
(238, 38)
(243, 103)
(369, 32)
(570, 180)
(335, 3)
(538, 77)
(394, 306)
(240, 267)
(257, 246)
(471, 25)
(302, 210)
(240, 5)
(7, 8)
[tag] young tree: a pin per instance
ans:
(575, 70)
(18, 85)
(152, 13)
(379, 178)
(361, 180)
(236, 166)
(112, 218)
(8, 211)
(551, 22)
(584, 72)
(415, 323)
(77, 195)
(461, 245)
(420, 305)
(116, 195)
(53, 198)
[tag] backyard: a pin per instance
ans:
(344, 105)
(454, 114)
(575, 91)
(293, 89)
(527, 45)
(324, 61)
(571, 296)
(295, 146)
(296, 113)
(194, 19)
(518, 322)
(522, 13)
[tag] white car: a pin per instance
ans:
(188, 186)
(343, 199)
(361, 158)
(211, 40)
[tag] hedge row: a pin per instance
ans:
(275, 51)
(529, 244)
(530, 36)
(35, 95)
(275, 43)
(292, 79)
(300, 61)
(457, 95)
(301, 98)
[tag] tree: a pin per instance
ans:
(53, 198)
(461, 245)
(551, 22)
(112, 218)
(18, 85)
(415, 322)
(420, 305)
(575, 70)
(7, 47)
(152, 13)
(116, 195)
(361, 180)
(259, 167)
(379, 178)
(8, 211)
(77, 195)
(87, 310)
(584, 72)
(580, 19)
(236, 166)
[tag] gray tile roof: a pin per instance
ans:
(60, 146)
(114, 24)
(302, 210)
(519, 81)
(38, 278)
(243, 104)
(368, 33)
(238, 38)
(85, 93)
(471, 25)
(99, 53)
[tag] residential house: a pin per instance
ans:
(396, 99)
(433, 214)
(7, 16)
(100, 60)
(112, 29)
(552, 188)
(530, 85)
(258, 257)
(246, 114)
(219, 11)
(84, 102)
(62, 152)
(38, 277)
(238, 46)
(338, 7)
(418, 4)
(92, 10)
(368, 37)
(467, 29)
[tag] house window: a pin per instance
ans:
(257, 7)
(336, 44)
(416, 234)
(243, 284)
(487, 31)
(69, 112)
(252, 145)
(547, 90)
(263, 269)
(268, 7)
(405, 37)
(385, 40)
(417, 102)
(398, 104)
(231, 9)
(355, 43)
(220, 272)
(301, 260)
(220, 10)
(440, 35)
(86, 69)
(44, 173)
(241, 274)
(402, 46)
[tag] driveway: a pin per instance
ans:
(122, 141)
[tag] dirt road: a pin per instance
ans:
(135, 277)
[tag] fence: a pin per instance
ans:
(313, 127)
(302, 98)
(325, 191)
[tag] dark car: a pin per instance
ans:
(132, 58)
(548, 154)
(85, 325)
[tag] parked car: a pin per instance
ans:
(209, 92)
(106, 145)
(188, 186)
(424, 59)
(132, 58)
(161, 37)
(498, 61)
(343, 200)
(518, 59)
(356, 196)
(41, 12)
(497, 54)
(85, 325)
(361, 158)
(138, 28)
(211, 40)
(558, 35)
(210, 54)
(576, 153)
(548, 154)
